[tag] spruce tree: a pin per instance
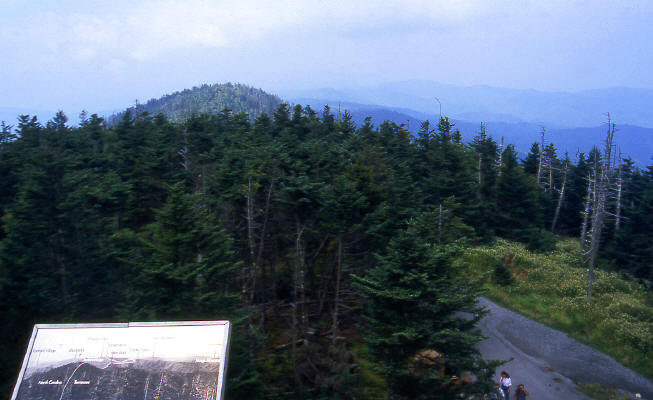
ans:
(532, 160)
(518, 206)
(482, 209)
(415, 295)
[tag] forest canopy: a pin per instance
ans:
(329, 244)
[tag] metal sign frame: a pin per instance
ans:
(222, 372)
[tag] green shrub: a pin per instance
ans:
(502, 275)
(541, 240)
(598, 392)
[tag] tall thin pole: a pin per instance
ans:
(440, 103)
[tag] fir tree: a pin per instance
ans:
(518, 208)
(532, 160)
(414, 293)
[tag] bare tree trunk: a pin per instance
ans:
(293, 345)
(593, 253)
(336, 297)
(440, 225)
(250, 220)
(300, 272)
(324, 283)
(590, 213)
(480, 155)
(259, 256)
(620, 185)
(560, 200)
(595, 237)
(602, 183)
(57, 251)
(550, 164)
(501, 156)
(298, 289)
(261, 244)
(539, 165)
(251, 275)
(199, 278)
(587, 211)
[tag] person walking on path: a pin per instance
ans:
(505, 383)
(498, 394)
(521, 393)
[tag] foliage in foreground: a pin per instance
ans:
(413, 293)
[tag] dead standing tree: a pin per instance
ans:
(589, 201)
(597, 196)
(561, 197)
(551, 166)
(483, 137)
(539, 164)
(500, 157)
(298, 324)
(619, 189)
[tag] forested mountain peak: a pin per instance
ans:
(212, 99)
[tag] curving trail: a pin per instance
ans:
(547, 361)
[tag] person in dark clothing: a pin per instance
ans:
(521, 393)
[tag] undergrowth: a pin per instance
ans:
(598, 392)
(551, 287)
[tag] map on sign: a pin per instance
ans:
(144, 361)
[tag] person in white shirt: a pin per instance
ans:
(505, 383)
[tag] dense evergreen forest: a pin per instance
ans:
(329, 245)
(210, 99)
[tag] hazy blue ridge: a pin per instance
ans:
(634, 141)
(554, 109)
(517, 115)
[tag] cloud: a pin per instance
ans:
(115, 66)
(150, 28)
(468, 41)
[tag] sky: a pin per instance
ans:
(105, 55)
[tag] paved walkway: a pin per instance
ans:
(547, 361)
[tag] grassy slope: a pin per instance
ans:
(551, 288)
(599, 392)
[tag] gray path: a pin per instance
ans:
(547, 361)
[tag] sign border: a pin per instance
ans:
(222, 374)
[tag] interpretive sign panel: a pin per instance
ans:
(135, 361)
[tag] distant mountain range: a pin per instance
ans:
(574, 121)
(634, 141)
(484, 103)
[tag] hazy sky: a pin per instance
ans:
(101, 55)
